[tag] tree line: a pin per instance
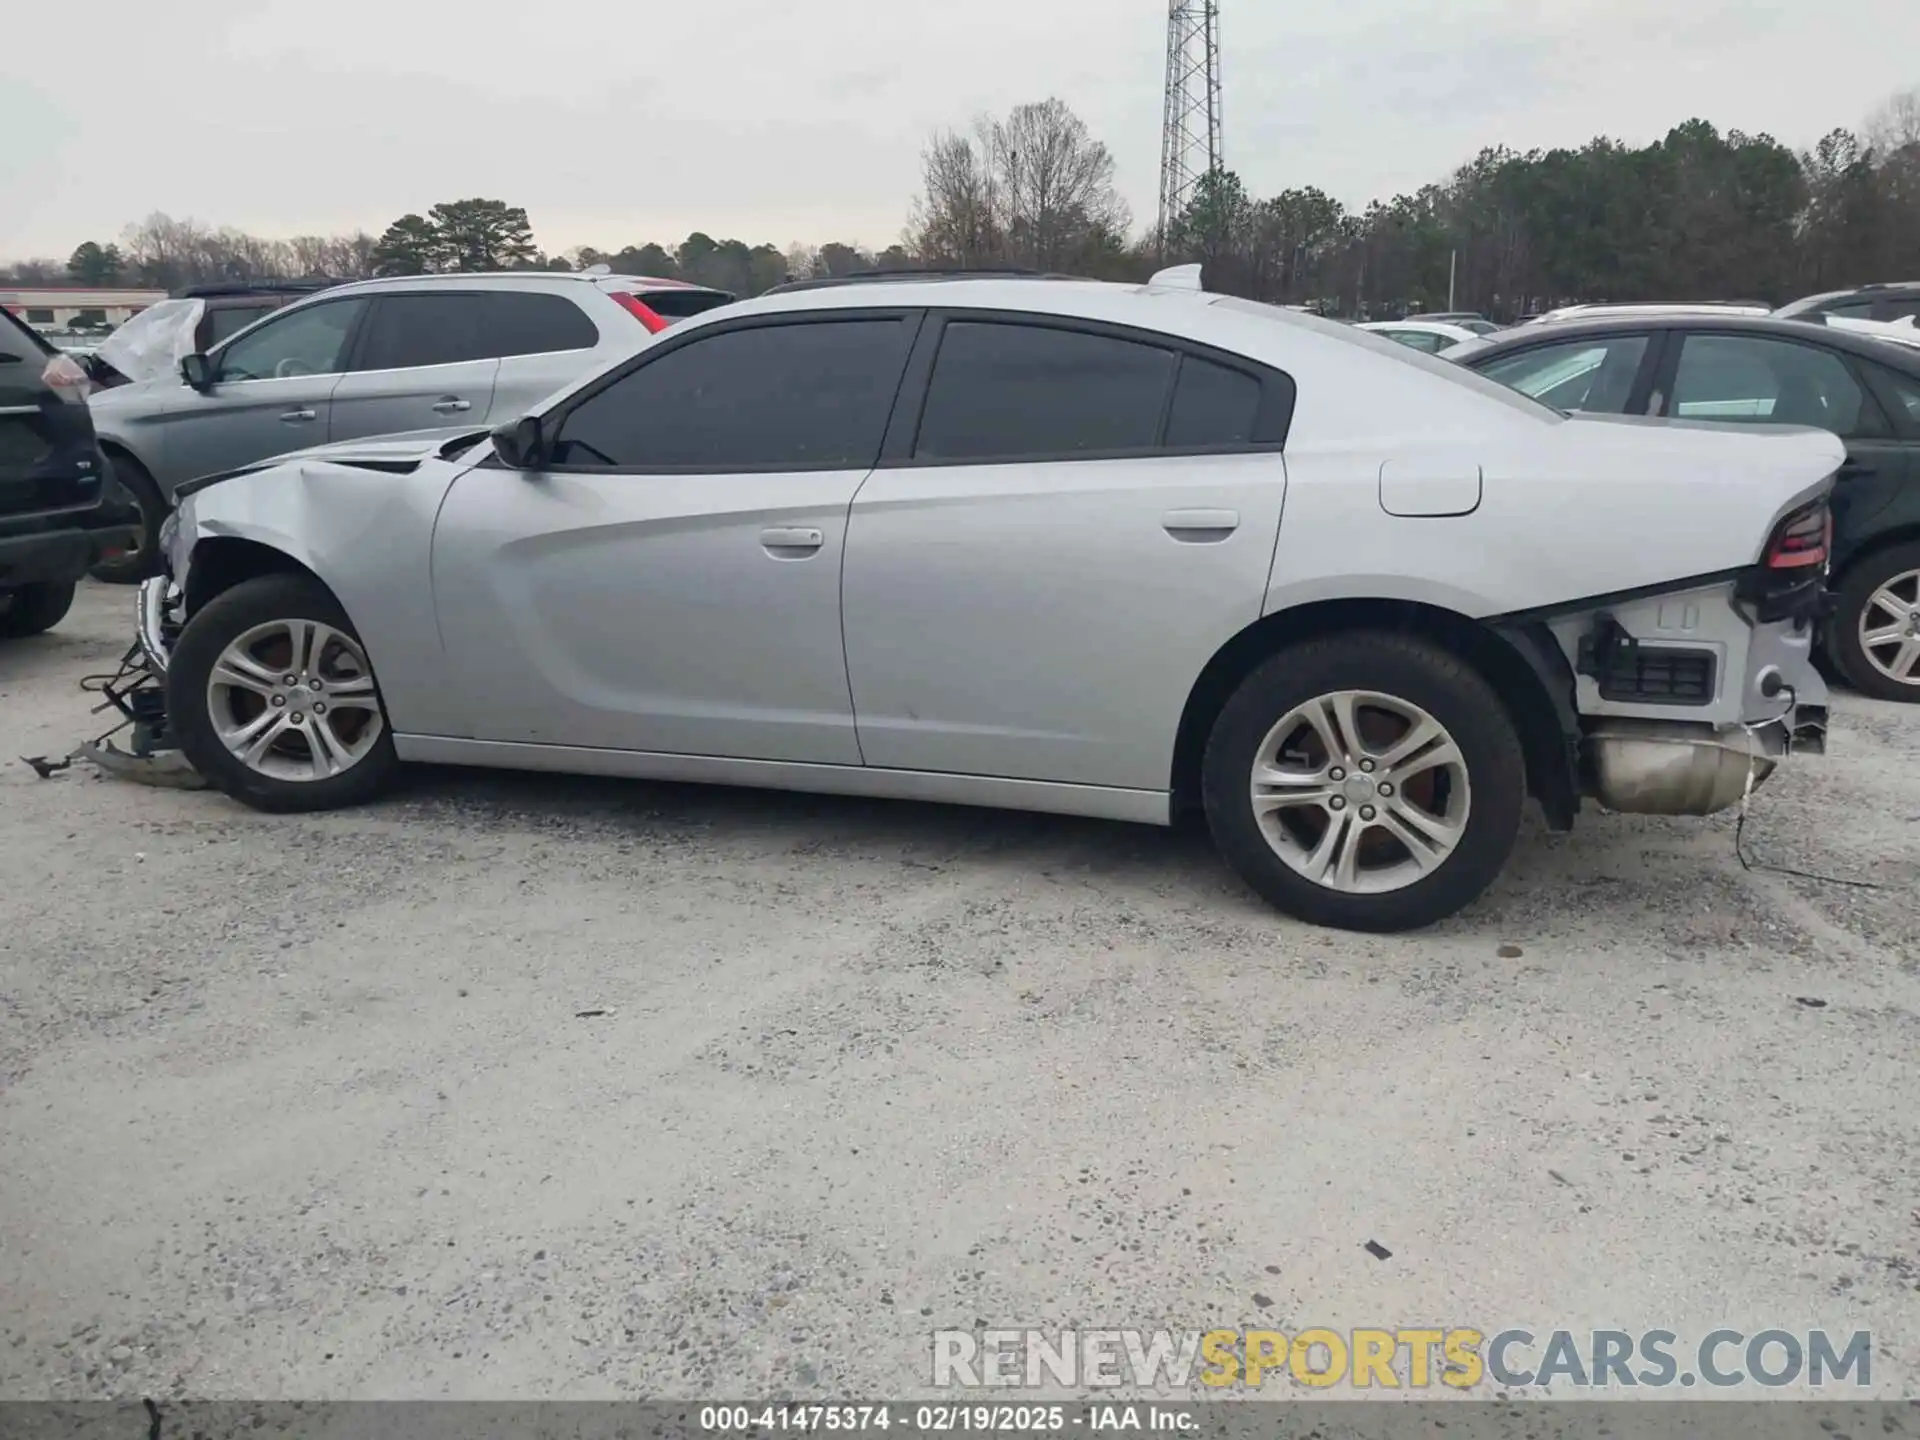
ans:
(1696, 214)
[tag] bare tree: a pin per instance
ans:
(1056, 183)
(1895, 125)
(956, 220)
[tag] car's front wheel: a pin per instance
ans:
(273, 699)
(1365, 781)
(1875, 635)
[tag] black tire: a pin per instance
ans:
(1843, 632)
(143, 560)
(224, 619)
(1412, 672)
(31, 609)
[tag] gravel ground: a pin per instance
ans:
(520, 1087)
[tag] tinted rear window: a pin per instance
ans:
(1212, 405)
(525, 322)
(682, 304)
(408, 331)
(1002, 391)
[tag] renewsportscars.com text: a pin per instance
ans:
(1460, 1358)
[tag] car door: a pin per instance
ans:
(422, 363)
(48, 460)
(271, 392)
(1766, 379)
(1040, 569)
(545, 342)
(1605, 374)
(668, 579)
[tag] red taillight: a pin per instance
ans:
(640, 310)
(1804, 538)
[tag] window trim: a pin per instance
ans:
(1273, 418)
(911, 318)
(349, 343)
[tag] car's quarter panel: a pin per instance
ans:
(366, 533)
(693, 614)
(1047, 621)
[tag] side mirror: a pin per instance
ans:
(197, 371)
(519, 443)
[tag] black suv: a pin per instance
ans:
(54, 520)
(1890, 302)
(1761, 371)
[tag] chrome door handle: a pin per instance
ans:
(786, 539)
(452, 405)
(1200, 525)
(296, 417)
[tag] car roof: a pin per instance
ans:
(1902, 357)
(520, 280)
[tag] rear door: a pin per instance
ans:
(422, 363)
(1069, 521)
(1770, 380)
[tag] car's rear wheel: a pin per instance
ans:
(31, 609)
(1365, 781)
(129, 484)
(1875, 635)
(273, 699)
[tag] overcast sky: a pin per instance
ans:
(622, 121)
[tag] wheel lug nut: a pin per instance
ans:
(1337, 773)
(298, 718)
(1366, 812)
(319, 709)
(1385, 789)
(291, 680)
(1337, 803)
(314, 684)
(279, 700)
(1367, 765)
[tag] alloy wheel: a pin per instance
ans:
(1890, 628)
(1360, 791)
(295, 700)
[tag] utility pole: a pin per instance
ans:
(1453, 266)
(1190, 144)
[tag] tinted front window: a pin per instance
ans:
(1212, 405)
(814, 396)
(408, 331)
(1003, 391)
(1589, 374)
(310, 340)
(522, 322)
(1766, 381)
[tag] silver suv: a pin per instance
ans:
(374, 357)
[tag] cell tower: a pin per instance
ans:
(1190, 136)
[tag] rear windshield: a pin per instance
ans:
(682, 304)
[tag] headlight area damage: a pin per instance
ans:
(140, 746)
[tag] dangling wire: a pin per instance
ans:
(1754, 756)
